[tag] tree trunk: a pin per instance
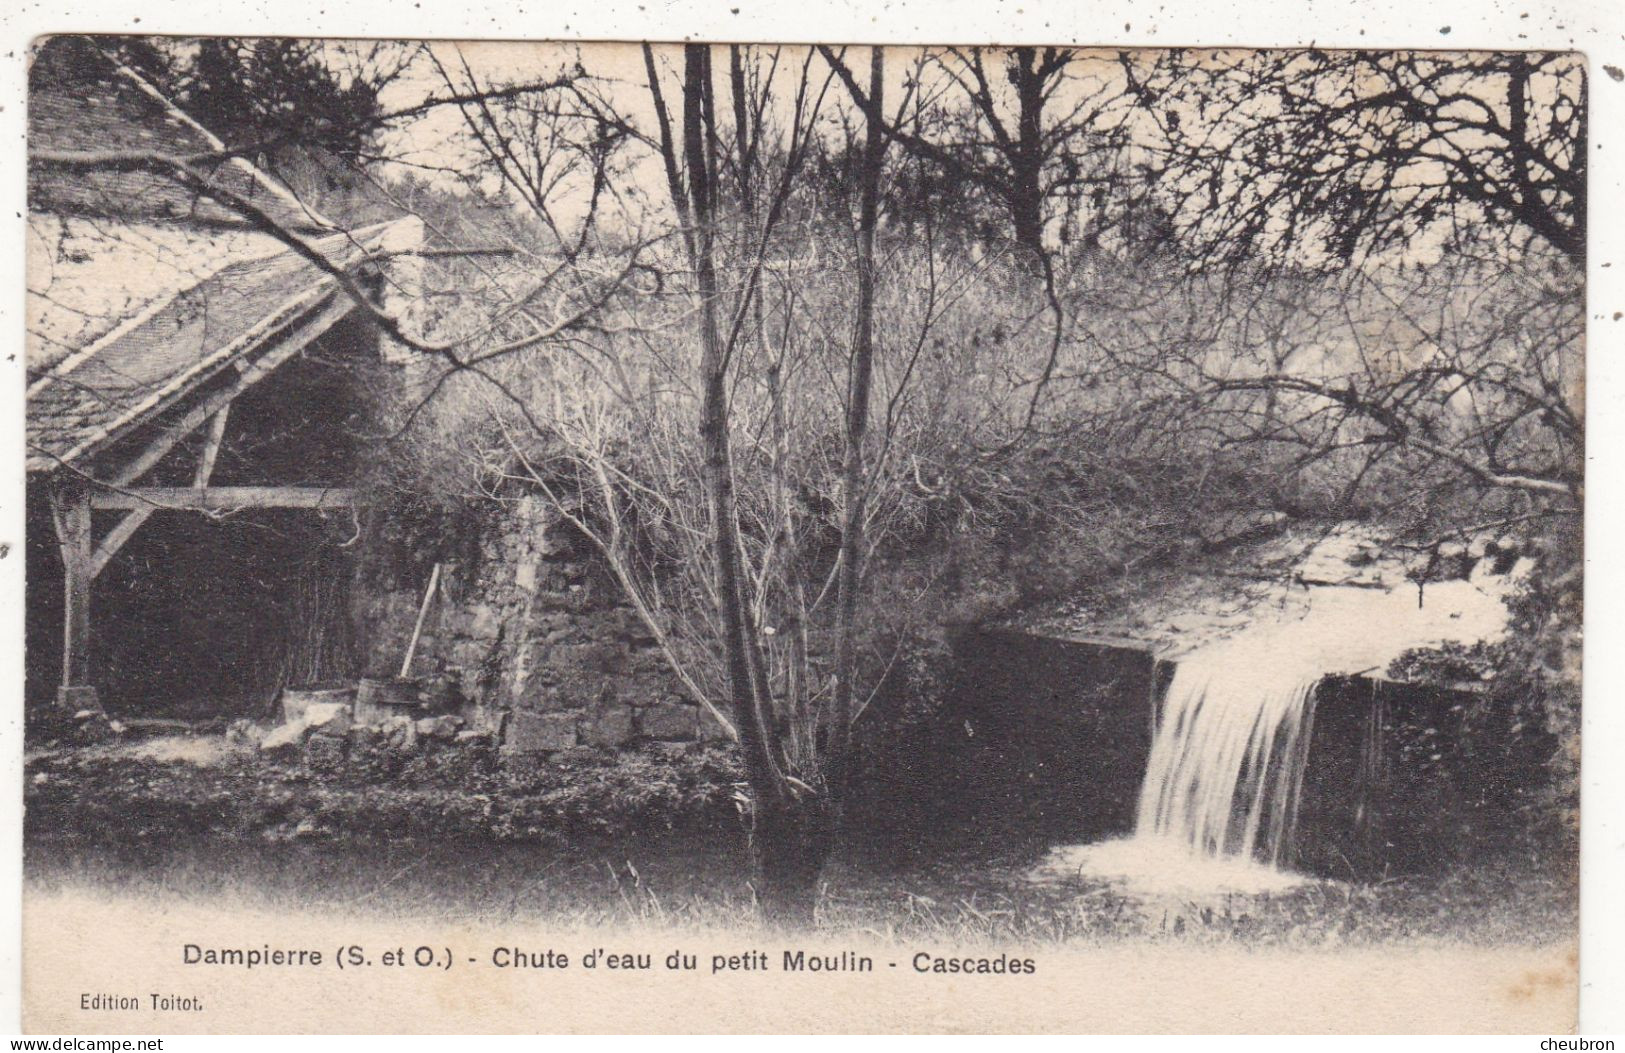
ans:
(791, 840)
(1026, 154)
(854, 477)
(757, 737)
(792, 825)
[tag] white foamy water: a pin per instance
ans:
(1161, 867)
(1228, 756)
(1219, 803)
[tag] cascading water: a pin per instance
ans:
(1231, 743)
(1228, 755)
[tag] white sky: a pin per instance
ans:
(618, 71)
(640, 200)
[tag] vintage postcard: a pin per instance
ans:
(530, 536)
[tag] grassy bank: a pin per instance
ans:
(650, 838)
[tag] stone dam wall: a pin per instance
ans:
(1046, 739)
(1043, 739)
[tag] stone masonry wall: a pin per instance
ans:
(534, 642)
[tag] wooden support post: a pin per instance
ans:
(70, 509)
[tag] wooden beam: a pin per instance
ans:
(125, 529)
(109, 545)
(211, 447)
(291, 342)
(224, 498)
(70, 514)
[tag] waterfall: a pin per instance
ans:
(1230, 739)
(1228, 750)
(1228, 754)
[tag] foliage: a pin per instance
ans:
(1447, 665)
(270, 94)
(1532, 676)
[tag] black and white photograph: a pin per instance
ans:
(652, 537)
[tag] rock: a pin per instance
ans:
(595, 657)
(539, 732)
(400, 733)
(1453, 561)
(328, 718)
(1365, 552)
(296, 700)
(93, 732)
(711, 729)
(484, 621)
(285, 737)
(611, 727)
(670, 751)
(244, 733)
(672, 723)
(441, 727)
(578, 689)
(466, 738)
(632, 626)
(554, 599)
(324, 751)
(439, 692)
(1505, 553)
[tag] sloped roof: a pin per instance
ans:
(97, 393)
(87, 275)
(140, 290)
(81, 100)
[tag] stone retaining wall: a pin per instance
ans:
(531, 641)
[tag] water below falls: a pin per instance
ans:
(1225, 771)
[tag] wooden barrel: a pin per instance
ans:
(377, 700)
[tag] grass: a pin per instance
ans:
(612, 844)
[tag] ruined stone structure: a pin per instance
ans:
(531, 642)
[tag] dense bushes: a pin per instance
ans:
(1531, 677)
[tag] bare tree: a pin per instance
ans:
(1423, 216)
(1350, 153)
(740, 466)
(792, 819)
